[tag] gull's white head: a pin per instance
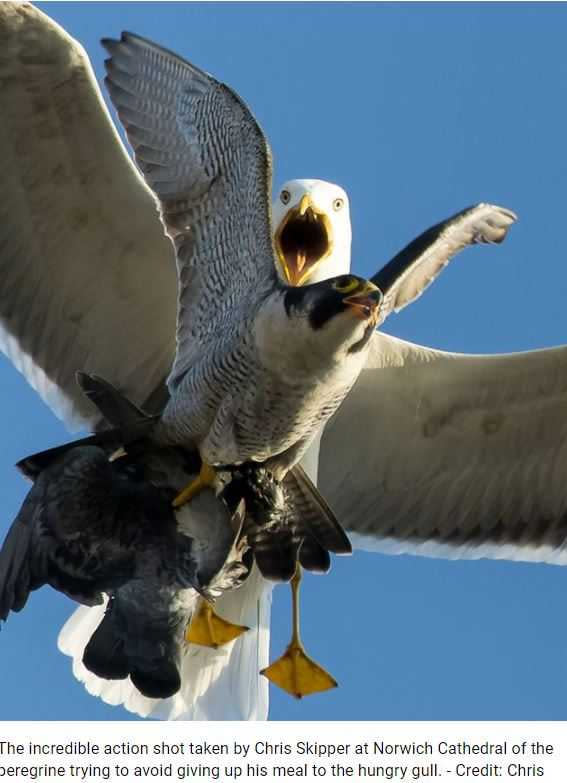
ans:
(312, 232)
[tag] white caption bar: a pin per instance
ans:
(282, 751)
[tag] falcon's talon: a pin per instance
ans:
(206, 478)
(295, 672)
(209, 630)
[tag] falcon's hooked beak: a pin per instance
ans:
(303, 239)
(365, 301)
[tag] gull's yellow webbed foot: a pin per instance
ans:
(210, 630)
(295, 672)
(206, 478)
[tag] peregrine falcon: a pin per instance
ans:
(259, 366)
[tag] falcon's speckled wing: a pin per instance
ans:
(208, 162)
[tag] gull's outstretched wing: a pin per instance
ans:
(83, 257)
(208, 162)
(450, 455)
(413, 269)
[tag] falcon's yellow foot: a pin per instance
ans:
(295, 672)
(298, 674)
(206, 478)
(210, 630)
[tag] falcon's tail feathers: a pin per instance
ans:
(285, 521)
(317, 518)
(117, 409)
(128, 423)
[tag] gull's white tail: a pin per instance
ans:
(222, 684)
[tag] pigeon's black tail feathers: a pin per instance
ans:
(22, 568)
(160, 683)
(118, 411)
(123, 646)
(104, 654)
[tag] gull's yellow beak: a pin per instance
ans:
(302, 240)
(304, 205)
(365, 301)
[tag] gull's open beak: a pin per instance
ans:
(365, 301)
(303, 239)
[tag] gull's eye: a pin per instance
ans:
(285, 196)
(345, 284)
(338, 203)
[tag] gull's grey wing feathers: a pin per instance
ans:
(448, 455)
(208, 162)
(413, 269)
(83, 256)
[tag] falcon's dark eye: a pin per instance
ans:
(285, 196)
(338, 203)
(345, 284)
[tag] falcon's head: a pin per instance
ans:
(329, 320)
(311, 231)
(315, 329)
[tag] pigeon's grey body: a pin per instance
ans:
(93, 528)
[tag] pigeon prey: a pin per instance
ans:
(90, 526)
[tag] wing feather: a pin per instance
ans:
(450, 455)
(83, 257)
(414, 268)
(208, 162)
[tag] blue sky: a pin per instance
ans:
(417, 111)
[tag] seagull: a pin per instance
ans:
(312, 231)
(453, 466)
